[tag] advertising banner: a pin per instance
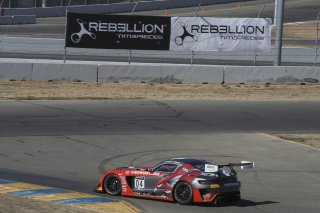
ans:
(118, 32)
(168, 33)
(220, 34)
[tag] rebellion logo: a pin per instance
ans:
(76, 37)
(180, 39)
(224, 32)
(122, 30)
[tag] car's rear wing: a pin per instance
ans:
(243, 165)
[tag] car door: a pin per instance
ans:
(159, 173)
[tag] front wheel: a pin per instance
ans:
(112, 184)
(183, 193)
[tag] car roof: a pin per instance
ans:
(184, 160)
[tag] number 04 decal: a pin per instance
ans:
(139, 183)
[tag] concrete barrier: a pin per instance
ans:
(113, 8)
(17, 19)
(302, 74)
(24, 69)
(5, 20)
(24, 19)
(192, 74)
(130, 73)
(15, 71)
(273, 75)
(161, 73)
(256, 75)
(64, 72)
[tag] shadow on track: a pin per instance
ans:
(241, 203)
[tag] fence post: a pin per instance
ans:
(65, 33)
(317, 40)
(196, 15)
(255, 51)
(279, 28)
(1, 11)
(134, 8)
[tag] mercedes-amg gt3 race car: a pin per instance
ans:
(184, 180)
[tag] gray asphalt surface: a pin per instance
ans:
(68, 144)
(46, 118)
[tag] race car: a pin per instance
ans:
(183, 180)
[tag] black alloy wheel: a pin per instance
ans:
(112, 184)
(183, 193)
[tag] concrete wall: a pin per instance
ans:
(112, 8)
(273, 75)
(15, 69)
(64, 72)
(17, 19)
(160, 73)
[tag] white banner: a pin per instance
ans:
(220, 34)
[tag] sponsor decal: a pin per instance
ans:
(180, 39)
(118, 31)
(185, 169)
(139, 182)
(137, 172)
(167, 33)
(220, 34)
(210, 168)
(123, 183)
(231, 32)
(76, 37)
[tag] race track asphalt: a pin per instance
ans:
(68, 144)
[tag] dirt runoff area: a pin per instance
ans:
(41, 90)
(15, 204)
(310, 139)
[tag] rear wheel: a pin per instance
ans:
(112, 184)
(183, 193)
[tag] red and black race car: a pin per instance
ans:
(184, 180)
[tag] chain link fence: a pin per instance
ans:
(55, 3)
(45, 38)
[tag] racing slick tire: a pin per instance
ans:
(183, 193)
(112, 184)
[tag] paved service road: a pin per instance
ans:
(68, 144)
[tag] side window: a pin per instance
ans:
(166, 168)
